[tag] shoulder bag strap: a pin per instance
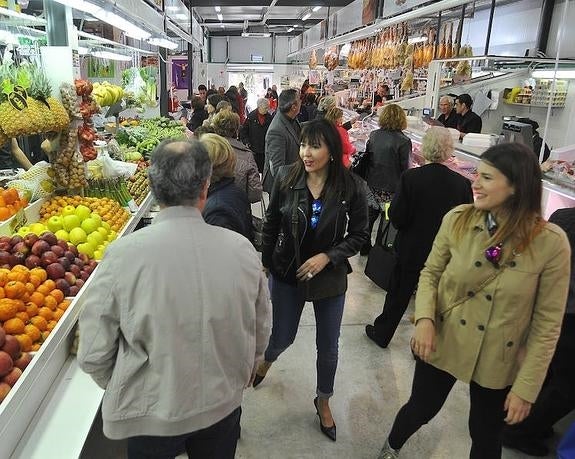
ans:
(295, 228)
(381, 232)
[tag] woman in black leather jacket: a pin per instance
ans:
(317, 206)
(389, 153)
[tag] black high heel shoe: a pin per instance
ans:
(329, 432)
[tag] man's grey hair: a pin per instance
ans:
(178, 172)
(447, 99)
(263, 102)
(287, 98)
(437, 145)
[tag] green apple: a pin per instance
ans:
(95, 238)
(70, 222)
(112, 235)
(98, 254)
(55, 223)
(83, 212)
(37, 228)
(68, 210)
(86, 248)
(106, 226)
(77, 236)
(103, 231)
(90, 225)
(24, 230)
(63, 235)
(96, 217)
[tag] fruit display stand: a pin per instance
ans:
(50, 410)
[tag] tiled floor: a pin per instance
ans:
(279, 419)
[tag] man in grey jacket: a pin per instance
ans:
(176, 320)
(282, 138)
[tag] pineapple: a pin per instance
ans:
(15, 122)
(3, 138)
(40, 90)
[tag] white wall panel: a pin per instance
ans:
(242, 48)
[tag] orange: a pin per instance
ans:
(18, 276)
(35, 280)
(46, 313)
(31, 309)
(20, 269)
(33, 332)
(50, 302)
(4, 276)
(58, 313)
(14, 289)
(40, 272)
(8, 309)
(20, 305)
(2, 295)
(43, 289)
(50, 284)
(64, 305)
(25, 297)
(39, 322)
(23, 316)
(37, 298)
(25, 342)
(10, 196)
(45, 335)
(4, 213)
(30, 287)
(35, 347)
(58, 295)
(52, 324)
(14, 326)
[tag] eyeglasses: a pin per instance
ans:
(316, 207)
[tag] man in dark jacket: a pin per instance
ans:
(448, 115)
(557, 397)
(253, 131)
(282, 138)
(468, 121)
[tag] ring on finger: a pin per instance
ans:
(309, 275)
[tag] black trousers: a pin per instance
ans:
(430, 389)
(396, 302)
(218, 441)
(557, 397)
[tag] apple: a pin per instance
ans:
(86, 248)
(4, 390)
(37, 228)
(33, 261)
(5, 246)
(104, 232)
(48, 258)
(16, 239)
(70, 278)
(73, 290)
(78, 236)
(70, 222)
(65, 263)
(12, 377)
(80, 283)
(68, 210)
(90, 225)
(62, 235)
(23, 361)
(30, 239)
(98, 254)
(72, 248)
(64, 286)
(84, 275)
(24, 230)
(112, 235)
(92, 264)
(6, 258)
(64, 244)
(55, 223)
(2, 337)
(75, 269)
(106, 226)
(4, 239)
(59, 251)
(82, 212)
(6, 363)
(19, 258)
(79, 262)
(21, 247)
(88, 269)
(97, 217)
(40, 247)
(49, 237)
(11, 347)
(95, 238)
(70, 256)
(85, 258)
(55, 271)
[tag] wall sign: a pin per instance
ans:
(257, 58)
(393, 7)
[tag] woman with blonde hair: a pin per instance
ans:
(227, 205)
(489, 305)
(335, 116)
(389, 153)
(424, 195)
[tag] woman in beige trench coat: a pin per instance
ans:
(489, 304)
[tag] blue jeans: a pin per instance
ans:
(215, 442)
(288, 302)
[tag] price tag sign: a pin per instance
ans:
(18, 221)
(132, 206)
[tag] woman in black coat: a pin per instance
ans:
(199, 113)
(316, 220)
(227, 205)
(424, 195)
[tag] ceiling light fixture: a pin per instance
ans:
(172, 8)
(218, 9)
(110, 55)
(129, 28)
(163, 42)
(82, 50)
(306, 16)
(417, 40)
(220, 17)
(290, 29)
(16, 14)
(316, 8)
(550, 74)
(182, 16)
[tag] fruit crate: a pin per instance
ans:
(31, 213)
(53, 393)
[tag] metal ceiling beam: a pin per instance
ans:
(301, 3)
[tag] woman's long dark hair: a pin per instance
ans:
(523, 209)
(338, 177)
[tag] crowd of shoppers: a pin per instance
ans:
(492, 278)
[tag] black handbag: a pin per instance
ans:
(360, 164)
(258, 227)
(382, 258)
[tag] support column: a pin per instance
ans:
(56, 23)
(489, 26)
(544, 25)
(190, 78)
(164, 95)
